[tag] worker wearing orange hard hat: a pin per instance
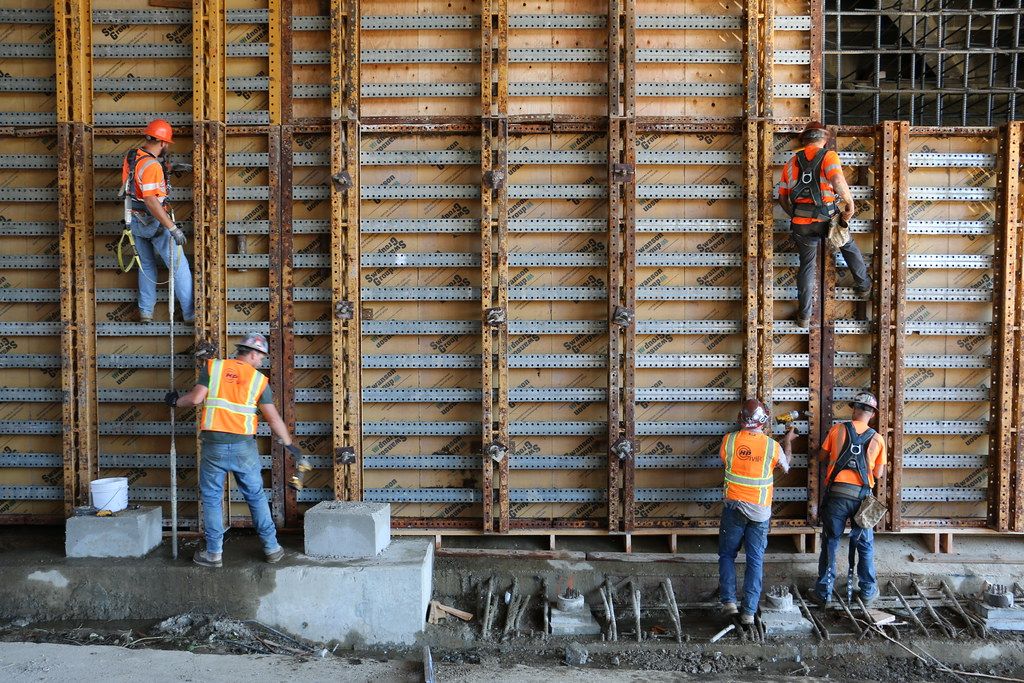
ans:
(812, 185)
(148, 216)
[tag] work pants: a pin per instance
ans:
(834, 515)
(736, 530)
(807, 238)
(241, 459)
(153, 240)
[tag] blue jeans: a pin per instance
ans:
(152, 240)
(736, 529)
(243, 460)
(834, 515)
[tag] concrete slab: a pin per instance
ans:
(1000, 618)
(128, 533)
(372, 601)
(347, 529)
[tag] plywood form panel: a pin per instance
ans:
(29, 85)
(387, 237)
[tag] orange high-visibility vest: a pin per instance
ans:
(230, 405)
(749, 459)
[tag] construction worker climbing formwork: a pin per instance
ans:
(811, 183)
(151, 226)
(856, 460)
(750, 456)
(232, 392)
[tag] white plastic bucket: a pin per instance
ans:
(109, 494)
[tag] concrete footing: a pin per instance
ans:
(371, 601)
(347, 529)
(128, 533)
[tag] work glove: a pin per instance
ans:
(171, 399)
(178, 236)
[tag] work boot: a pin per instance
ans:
(868, 598)
(862, 292)
(145, 317)
(208, 559)
(803, 322)
(275, 556)
(729, 609)
(747, 619)
(816, 598)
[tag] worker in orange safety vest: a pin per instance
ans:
(147, 215)
(749, 456)
(232, 391)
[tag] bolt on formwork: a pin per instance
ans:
(931, 62)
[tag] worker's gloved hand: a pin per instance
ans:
(178, 236)
(294, 450)
(171, 399)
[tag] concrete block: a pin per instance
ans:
(375, 600)
(339, 529)
(1000, 618)
(573, 623)
(784, 622)
(128, 533)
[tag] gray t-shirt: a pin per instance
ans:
(753, 511)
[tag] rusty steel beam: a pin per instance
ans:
(765, 254)
(1004, 508)
(502, 243)
(76, 248)
(489, 334)
(209, 204)
(886, 179)
(817, 66)
(629, 259)
(72, 40)
(614, 141)
(751, 214)
(766, 57)
(899, 319)
(345, 250)
(750, 62)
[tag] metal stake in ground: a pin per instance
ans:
(174, 451)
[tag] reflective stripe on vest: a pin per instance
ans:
(753, 489)
(231, 407)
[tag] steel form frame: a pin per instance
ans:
(345, 250)
(1005, 506)
(758, 128)
(73, 61)
(209, 201)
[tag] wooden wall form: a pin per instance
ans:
(618, 174)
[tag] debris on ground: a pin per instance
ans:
(576, 655)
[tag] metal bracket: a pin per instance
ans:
(622, 173)
(344, 310)
(622, 448)
(206, 350)
(346, 455)
(494, 179)
(496, 451)
(495, 317)
(622, 316)
(342, 180)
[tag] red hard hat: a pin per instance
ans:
(814, 125)
(159, 129)
(753, 414)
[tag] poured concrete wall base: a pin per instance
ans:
(380, 599)
(375, 600)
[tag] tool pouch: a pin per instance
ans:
(838, 233)
(870, 512)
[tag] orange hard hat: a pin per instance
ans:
(161, 130)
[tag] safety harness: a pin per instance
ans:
(854, 456)
(808, 186)
(127, 254)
